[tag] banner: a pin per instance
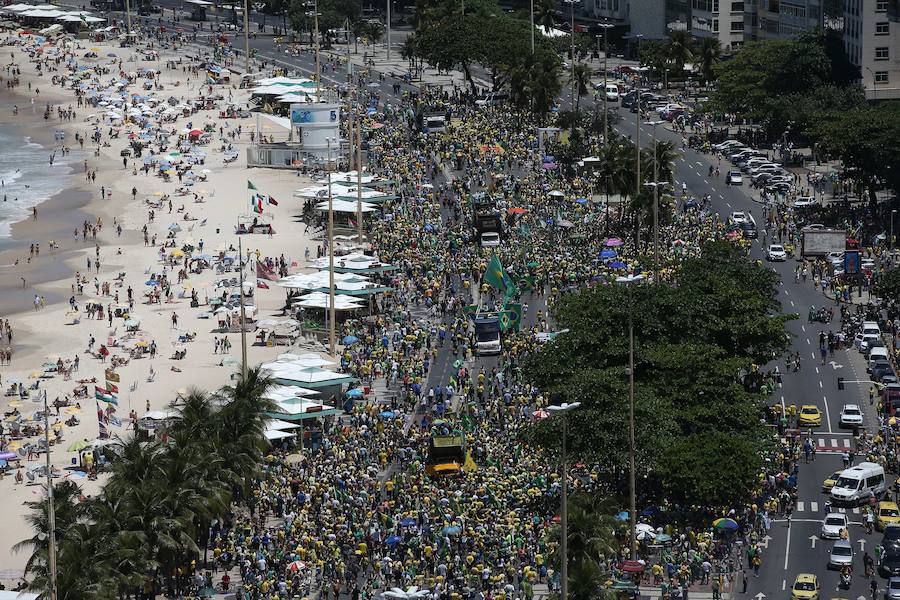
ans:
(112, 388)
(104, 433)
(511, 317)
(263, 272)
(103, 394)
(112, 376)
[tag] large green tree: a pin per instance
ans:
(693, 337)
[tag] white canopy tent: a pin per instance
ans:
(346, 206)
(321, 300)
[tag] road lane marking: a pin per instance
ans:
(814, 506)
(803, 327)
(827, 413)
(821, 386)
(800, 505)
(810, 343)
(792, 303)
(817, 369)
(787, 546)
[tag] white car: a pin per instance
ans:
(776, 253)
(734, 178)
(490, 239)
(835, 258)
(739, 217)
(804, 201)
(832, 525)
(851, 415)
(728, 144)
(612, 93)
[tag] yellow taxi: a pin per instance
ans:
(831, 480)
(810, 416)
(887, 514)
(806, 587)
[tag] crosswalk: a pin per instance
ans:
(803, 506)
(655, 593)
(832, 444)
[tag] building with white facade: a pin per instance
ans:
(722, 19)
(872, 41)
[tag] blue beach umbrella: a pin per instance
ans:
(608, 253)
(349, 340)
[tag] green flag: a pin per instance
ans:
(496, 276)
(511, 317)
(250, 185)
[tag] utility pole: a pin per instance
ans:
(388, 31)
(243, 313)
(247, 34)
(359, 227)
(51, 509)
(532, 26)
(331, 311)
(637, 142)
(605, 26)
(318, 67)
(572, 31)
(128, 21)
(564, 409)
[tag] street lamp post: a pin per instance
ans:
(637, 138)
(318, 66)
(564, 409)
(605, 26)
(572, 36)
(655, 203)
(629, 280)
(532, 26)
(388, 49)
(331, 310)
(893, 213)
(247, 35)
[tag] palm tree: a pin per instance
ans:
(544, 11)
(243, 419)
(710, 51)
(661, 157)
(680, 49)
(581, 81)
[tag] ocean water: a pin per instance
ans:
(26, 177)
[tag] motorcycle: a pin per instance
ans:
(845, 581)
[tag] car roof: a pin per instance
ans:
(844, 543)
(809, 406)
(887, 504)
(836, 514)
(856, 406)
(805, 578)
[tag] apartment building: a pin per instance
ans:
(872, 41)
(722, 19)
(781, 19)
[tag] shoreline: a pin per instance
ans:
(52, 331)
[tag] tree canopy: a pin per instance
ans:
(694, 339)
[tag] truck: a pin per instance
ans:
(486, 220)
(446, 455)
(487, 334)
(817, 241)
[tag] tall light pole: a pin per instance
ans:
(318, 66)
(637, 139)
(243, 312)
(532, 26)
(359, 227)
(331, 311)
(388, 47)
(629, 280)
(572, 35)
(247, 34)
(893, 213)
(655, 184)
(563, 409)
(128, 21)
(51, 509)
(605, 26)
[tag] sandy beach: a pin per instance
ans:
(48, 333)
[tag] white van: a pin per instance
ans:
(877, 353)
(859, 483)
(612, 92)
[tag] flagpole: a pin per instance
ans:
(359, 227)
(51, 510)
(243, 313)
(331, 311)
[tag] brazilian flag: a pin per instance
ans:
(471, 309)
(511, 317)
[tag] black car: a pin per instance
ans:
(749, 230)
(880, 370)
(889, 566)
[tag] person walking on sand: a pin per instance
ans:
(174, 321)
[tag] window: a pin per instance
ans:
(881, 76)
(715, 25)
(737, 26)
(881, 5)
(882, 28)
(882, 53)
(737, 7)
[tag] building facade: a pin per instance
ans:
(872, 41)
(722, 19)
(781, 19)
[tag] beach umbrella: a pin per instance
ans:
(555, 193)
(387, 414)
(349, 340)
(408, 522)
(151, 282)
(394, 539)
(540, 414)
(566, 223)
(78, 446)
(608, 253)
(581, 200)
(643, 531)
(613, 242)
(622, 516)
(354, 393)
(632, 566)
(725, 524)
(174, 227)
(617, 264)
(8, 455)
(663, 538)
(296, 566)
(452, 530)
